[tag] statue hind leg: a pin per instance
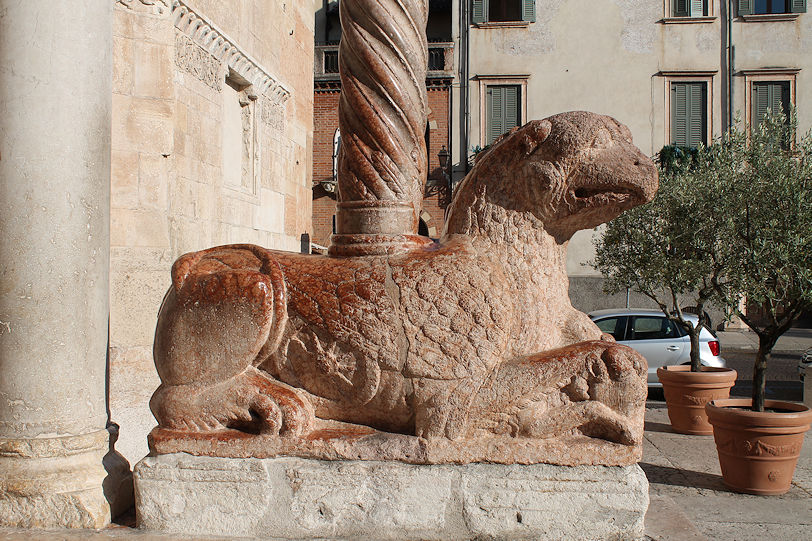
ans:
(226, 305)
(597, 388)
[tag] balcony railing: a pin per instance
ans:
(441, 61)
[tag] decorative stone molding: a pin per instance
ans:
(156, 7)
(273, 114)
(206, 35)
(198, 62)
(54, 482)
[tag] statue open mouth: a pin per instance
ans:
(600, 195)
(588, 198)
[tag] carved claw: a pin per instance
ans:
(250, 402)
(590, 418)
(284, 410)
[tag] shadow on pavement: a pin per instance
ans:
(653, 426)
(667, 475)
(776, 390)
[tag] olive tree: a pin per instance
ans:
(733, 226)
(767, 233)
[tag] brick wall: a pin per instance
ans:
(325, 124)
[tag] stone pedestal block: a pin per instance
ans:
(302, 498)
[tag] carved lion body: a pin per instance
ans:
(472, 335)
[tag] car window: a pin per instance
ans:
(652, 328)
(616, 326)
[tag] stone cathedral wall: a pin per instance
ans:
(211, 144)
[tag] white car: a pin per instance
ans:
(661, 341)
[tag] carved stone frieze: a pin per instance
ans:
(156, 7)
(272, 114)
(206, 49)
(209, 38)
(193, 59)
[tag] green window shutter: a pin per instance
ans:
(775, 99)
(479, 11)
(745, 7)
(511, 108)
(698, 114)
(785, 98)
(679, 114)
(529, 10)
(495, 120)
(502, 110)
(773, 96)
(688, 114)
(680, 8)
(797, 6)
(761, 102)
(697, 8)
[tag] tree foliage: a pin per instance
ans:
(731, 224)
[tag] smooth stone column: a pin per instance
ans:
(55, 110)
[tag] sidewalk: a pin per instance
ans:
(689, 501)
(794, 340)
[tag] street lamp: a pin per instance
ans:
(441, 186)
(443, 156)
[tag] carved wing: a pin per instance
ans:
(346, 299)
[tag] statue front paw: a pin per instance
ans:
(250, 402)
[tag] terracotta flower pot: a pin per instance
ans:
(758, 450)
(686, 394)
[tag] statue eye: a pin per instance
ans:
(603, 139)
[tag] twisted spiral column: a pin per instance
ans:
(382, 162)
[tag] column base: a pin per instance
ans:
(297, 498)
(359, 245)
(54, 482)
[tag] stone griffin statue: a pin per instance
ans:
(463, 350)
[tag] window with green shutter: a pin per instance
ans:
(503, 10)
(764, 7)
(502, 109)
(772, 95)
(689, 113)
(689, 8)
(479, 11)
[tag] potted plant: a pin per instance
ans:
(669, 251)
(767, 263)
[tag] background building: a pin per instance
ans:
(674, 71)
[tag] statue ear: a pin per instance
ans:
(543, 129)
(538, 133)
